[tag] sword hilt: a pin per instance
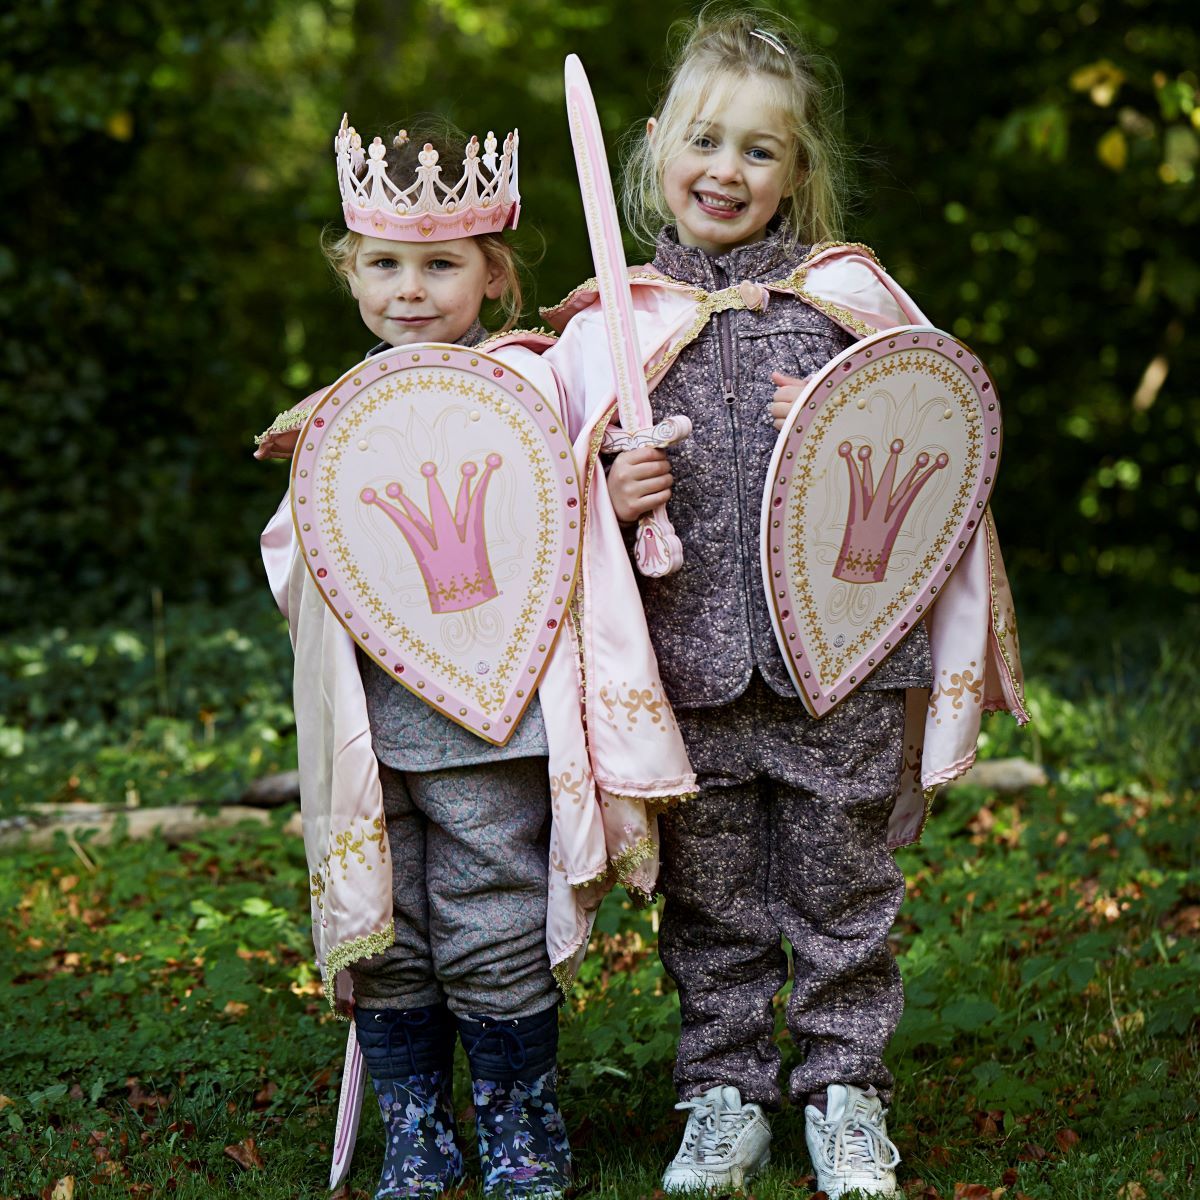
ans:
(657, 550)
(666, 433)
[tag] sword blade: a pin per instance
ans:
(345, 1134)
(604, 233)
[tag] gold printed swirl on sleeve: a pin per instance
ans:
(636, 701)
(567, 784)
(963, 685)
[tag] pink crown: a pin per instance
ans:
(450, 548)
(484, 200)
(873, 524)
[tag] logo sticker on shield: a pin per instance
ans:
(437, 503)
(879, 480)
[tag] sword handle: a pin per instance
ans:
(657, 550)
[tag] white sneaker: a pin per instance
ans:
(724, 1144)
(849, 1145)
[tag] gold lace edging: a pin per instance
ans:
(289, 419)
(998, 630)
(540, 331)
(345, 953)
(564, 976)
(711, 303)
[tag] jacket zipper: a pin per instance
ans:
(729, 383)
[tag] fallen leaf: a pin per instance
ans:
(64, 1189)
(267, 1094)
(246, 1155)
(5, 1102)
(1010, 1176)
(972, 1191)
(1131, 1191)
(235, 1008)
(1032, 1152)
(1066, 1138)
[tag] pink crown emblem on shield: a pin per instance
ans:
(450, 547)
(877, 513)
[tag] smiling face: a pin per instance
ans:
(422, 292)
(726, 184)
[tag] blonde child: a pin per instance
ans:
(467, 823)
(736, 180)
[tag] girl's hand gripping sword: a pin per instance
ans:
(657, 551)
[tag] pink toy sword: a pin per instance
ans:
(657, 550)
(350, 1100)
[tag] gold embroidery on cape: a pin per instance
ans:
(343, 845)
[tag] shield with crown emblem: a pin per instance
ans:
(879, 480)
(437, 505)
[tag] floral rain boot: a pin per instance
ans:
(523, 1148)
(410, 1055)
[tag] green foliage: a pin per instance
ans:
(168, 1010)
(188, 707)
(1028, 170)
(1032, 178)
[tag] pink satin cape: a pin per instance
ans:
(972, 627)
(616, 754)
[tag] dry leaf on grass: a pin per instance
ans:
(246, 1155)
(1066, 1139)
(64, 1189)
(1131, 1191)
(973, 1191)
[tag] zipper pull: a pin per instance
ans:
(730, 395)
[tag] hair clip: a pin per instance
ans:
(770, 39)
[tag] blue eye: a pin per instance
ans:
(385, 264)
(761, 155)
(703, 142)
(441, 264)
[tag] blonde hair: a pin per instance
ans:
(731, 45)
(341, 246)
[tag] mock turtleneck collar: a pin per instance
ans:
(758, 261)
(472, 337)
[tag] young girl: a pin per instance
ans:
(792, 830)
(485, 903)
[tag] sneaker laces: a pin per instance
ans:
(857, 1141)
(712, 1128)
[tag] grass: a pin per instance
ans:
(165, 1036)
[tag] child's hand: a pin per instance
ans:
(638, 481)
(787, 392)
(279, 445)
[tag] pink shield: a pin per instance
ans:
(879, 479)
(437, 503)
